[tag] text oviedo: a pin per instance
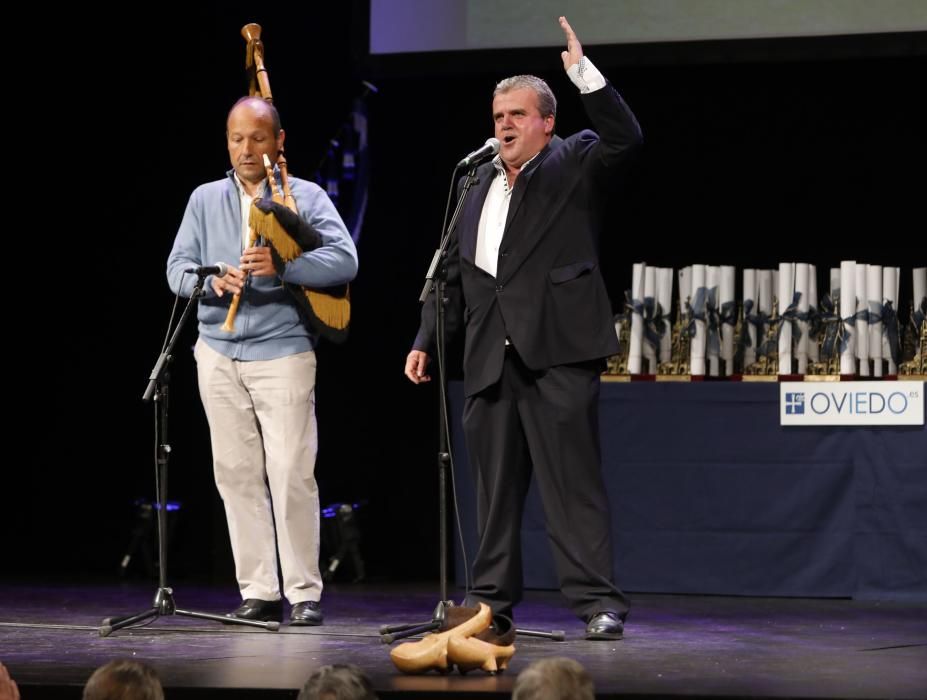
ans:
(851, 403)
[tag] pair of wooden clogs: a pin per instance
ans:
(469, 641)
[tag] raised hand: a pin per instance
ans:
(574, 50)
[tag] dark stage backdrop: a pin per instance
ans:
(755, 153)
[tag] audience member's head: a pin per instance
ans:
(8, 688)
(124, 680)
(338, 682)
(557, 678)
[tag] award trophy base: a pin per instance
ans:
(765, 369)
(615, 377)
(760, 378)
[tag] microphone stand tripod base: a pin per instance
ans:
(157, 390)
(164, 605)
(439, 618)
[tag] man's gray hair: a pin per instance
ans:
(547, 103)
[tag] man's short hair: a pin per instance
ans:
(547, 103)
(338, 682)
(256, 100)
(124, 679)
(557, 678)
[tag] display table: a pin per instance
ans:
(710, 495)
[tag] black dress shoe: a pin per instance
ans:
(257, 609)
(307, 613)
(605, 625)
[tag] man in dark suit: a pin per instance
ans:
(523, 281)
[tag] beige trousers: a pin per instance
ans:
(263, 432)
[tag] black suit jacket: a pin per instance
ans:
(548, 297)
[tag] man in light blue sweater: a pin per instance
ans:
(257, 382)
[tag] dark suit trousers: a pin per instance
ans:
(544, 422)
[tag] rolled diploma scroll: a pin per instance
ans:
(835, 286)
(874, 294)
(862, 327)
(685, 289)
(889, 294)
(920, 293)
(665, 299)
(637, 321)
(726, 296)
(650, 283)
(784, 296)
(847, 310)
(750, 296)
(802, 272)
(697, 343)
(714, 353)
(813, 350)
(764, 295)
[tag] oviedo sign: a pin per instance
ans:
(851, 403)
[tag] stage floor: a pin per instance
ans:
(692, 646)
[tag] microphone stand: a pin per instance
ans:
(157, 389)
(436, 278)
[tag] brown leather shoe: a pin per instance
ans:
(257, 609)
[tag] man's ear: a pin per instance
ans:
(549, 124)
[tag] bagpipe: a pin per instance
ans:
(326, 311)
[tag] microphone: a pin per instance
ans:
(488, 150)
(219, 269)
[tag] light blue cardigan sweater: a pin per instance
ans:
(268, 324)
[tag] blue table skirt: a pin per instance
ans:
(710, 495)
